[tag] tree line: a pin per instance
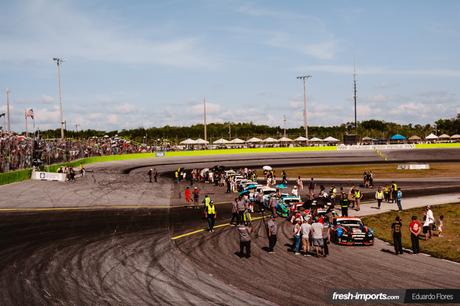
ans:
(377, 129)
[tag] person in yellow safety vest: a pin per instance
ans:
(247, 218)
(176, 176)
(394, 191)
(379, 196)
(211, 214)
(344, 203)
(358, 196)
(386, 193)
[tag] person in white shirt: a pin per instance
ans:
(295, 191)
(428, 224)
(317, 236)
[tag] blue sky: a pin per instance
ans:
(150, 63)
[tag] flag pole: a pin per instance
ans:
(27, 128)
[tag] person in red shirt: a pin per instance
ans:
(188, 195)
(415, 228)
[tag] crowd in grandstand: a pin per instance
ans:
(19, 152)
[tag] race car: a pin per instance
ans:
(291, 200)
(351, 231)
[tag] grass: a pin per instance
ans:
(15, 176)
(387, 171)
(447, 247)
(437, 145)
(249, 151)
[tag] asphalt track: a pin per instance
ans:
(117, 256)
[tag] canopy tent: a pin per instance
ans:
(316, 139)
(237, 141)
(331, 139)
(220, 141)
(415, 138)
(456, 136)
(431, 137)
(187, 141)
(200, 141)
(267, 168)
(254, 140)
(300, 138)
(444, 136)
(269, 139)
(285, 139)
(367, 139)
(398, 137)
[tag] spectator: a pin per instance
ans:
(396, 228)
(415, 229)
(245, 240)
(272, 230)
(317, 236)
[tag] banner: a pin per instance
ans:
(375, 147)
(48, 176)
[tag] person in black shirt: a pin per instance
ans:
(396, 228)
(344, 203)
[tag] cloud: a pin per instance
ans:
(211, 108)
(46, 99)
(376, 70)
(52, 28)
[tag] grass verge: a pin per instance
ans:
(249, 151)
(386, 171)
(447, 246)
(438, 145)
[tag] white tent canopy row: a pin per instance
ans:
(254, 140)
(220, 141)
(223, 141)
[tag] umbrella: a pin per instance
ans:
(237, 141)
(201, 141)
(285, 139)
(331, 139)
(431, 137)
(281, 186)
(398, 137)
(444, 136)
(267, 168)
(251, 187)
(456, 136)
(300, 138)
(269, 139)
(244, 192)
(188, 141)
(415, 137)
(220, 141)
(316, 139)
(254, 140)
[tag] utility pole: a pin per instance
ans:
(76, 127)
(354, 98)
(58, 63)
(305, 126)
(204, 110)
(229, 131)
(284, 125)
(8, 117)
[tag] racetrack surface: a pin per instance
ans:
(127, 257)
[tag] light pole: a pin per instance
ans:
(58, 63)
(204, 117)
(8, 117)
(305, 126)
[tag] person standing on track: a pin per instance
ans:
(150, 173)
(155, 176)
(211, 214)
(311, 188)
(297, 231)
(196, 196)
(317, 236)
(398, 198)
(306, 229)
(188, 195)
(272, 231)
(245, 240)
(344, 203)
(241, 209)
(415, 228)
(379, 196)
(235, 217)
(396, 229)
(299, 183)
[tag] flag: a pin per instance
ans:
(30, 113)
(2, 115)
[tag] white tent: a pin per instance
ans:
(237, 141)
(254, 140)
(456, 136)
(331, 139)
(300, 138)
(444, 136)
(316, 139)
(285, 139)
(269, 139)
(431, 137)
(188, 141)
(200, 141)
(220, 141)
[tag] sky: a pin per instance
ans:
(131, 64)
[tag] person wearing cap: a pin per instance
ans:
(317, 235)
(297, 231)
(295, 191)
(272, 230)
(211, 214)
(344, 203)
(245, 239)
(306, 229)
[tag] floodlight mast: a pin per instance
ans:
(305, 124)
(58, 63)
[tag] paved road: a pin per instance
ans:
(126, 256)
